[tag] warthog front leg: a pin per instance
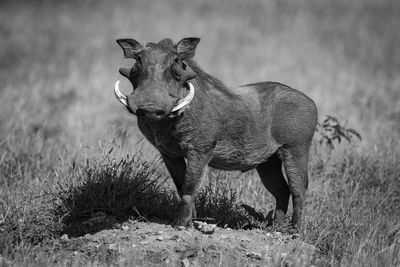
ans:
(176, 168)
(195, 171)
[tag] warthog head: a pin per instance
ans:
(160, 77)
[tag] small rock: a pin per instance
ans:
(143, 236)
(75, 253)
(125, 227)
(180, 228)
(64, 237)
(159, 233)
(204, 227)
(160, 238)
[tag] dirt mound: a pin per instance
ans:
(151, 244)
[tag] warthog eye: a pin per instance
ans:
(177, 69)
(138, 65)
(136, 68)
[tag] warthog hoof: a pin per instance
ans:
(185, 216)
(183, 222)
(280, 218)
(287, 228)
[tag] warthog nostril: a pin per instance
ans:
(159, 112)
(151, 113)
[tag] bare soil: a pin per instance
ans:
(152, 244)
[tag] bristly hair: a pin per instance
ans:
(165, 44)
(206, 80)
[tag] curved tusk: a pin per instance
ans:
(185, 101)
(121, 98)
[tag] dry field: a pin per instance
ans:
(62, 133)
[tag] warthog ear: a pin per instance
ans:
(187, 46)
(166, 43)
(130, 47)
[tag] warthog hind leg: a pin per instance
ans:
(273, 179)
(295, 160)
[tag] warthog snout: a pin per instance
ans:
(150, 112)
(153, 108)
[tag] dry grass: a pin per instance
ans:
(59, 61)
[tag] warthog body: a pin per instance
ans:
(261, 125)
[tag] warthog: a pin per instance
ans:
(194, 120)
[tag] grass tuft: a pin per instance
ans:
(219, 201)
(112, 191)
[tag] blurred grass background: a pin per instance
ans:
(59, 61)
